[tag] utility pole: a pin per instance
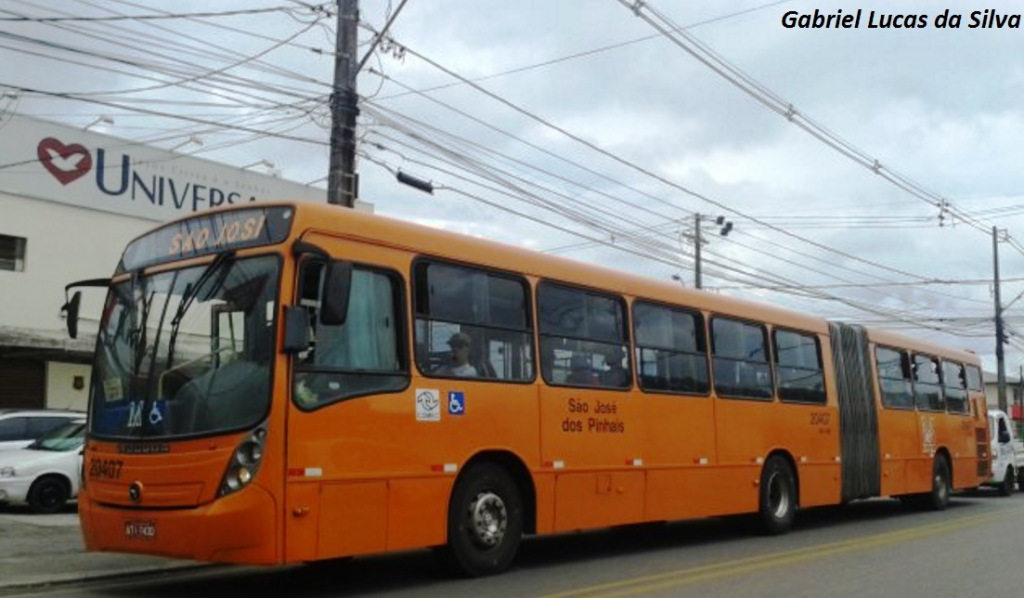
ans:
(698, 240)
(342, 181)
(1000, 340)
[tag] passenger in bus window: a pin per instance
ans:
(581, 372)
(459, 365)
(617, 375)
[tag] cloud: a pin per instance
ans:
(938, 106)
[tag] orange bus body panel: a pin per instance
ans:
(366, 475)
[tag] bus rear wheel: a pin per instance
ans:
(778, 499)
(938, 499)
(485, 521)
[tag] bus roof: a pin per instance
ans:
(503, 256)
(336, 220)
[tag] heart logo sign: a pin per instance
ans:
(66, 163)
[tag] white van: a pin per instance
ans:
(1007, 454)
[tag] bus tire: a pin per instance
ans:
(938, 498)
(48, 495)
(778, 500)
(1009, 483)
(485, 521)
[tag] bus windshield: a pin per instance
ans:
(186, 352)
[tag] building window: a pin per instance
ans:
(12, 253)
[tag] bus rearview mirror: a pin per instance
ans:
(71, 310)
(296, 329)
(337, 283)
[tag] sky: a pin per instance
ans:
(862, 168)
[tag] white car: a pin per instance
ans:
(20, 427)
(46, 473)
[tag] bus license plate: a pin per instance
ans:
(140, 529)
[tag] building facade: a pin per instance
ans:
(70, 200)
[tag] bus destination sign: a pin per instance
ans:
(207, 234)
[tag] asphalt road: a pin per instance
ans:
(873, 548)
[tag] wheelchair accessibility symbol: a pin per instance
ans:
(456, 402)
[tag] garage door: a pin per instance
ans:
(22, 384)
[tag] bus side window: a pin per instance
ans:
(365, 354)
(974, 379)
(471, 323)
(894, 378)
(671, 351)
(740, 351)
(798, 367)
(583, 337)
(954, 387)
(927, 389)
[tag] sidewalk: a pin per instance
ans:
(38, 550)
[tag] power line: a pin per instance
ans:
(68, 96)
(651, 252)
(731, 73)
(629, 164)
(584, 53)
(146, 17)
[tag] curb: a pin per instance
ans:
(71, 578)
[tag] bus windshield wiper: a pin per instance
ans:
(189, 295)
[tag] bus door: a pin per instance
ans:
(350, 397)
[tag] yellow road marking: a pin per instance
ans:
(669, 579)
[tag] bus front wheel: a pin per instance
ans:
(485, 520)
(778, 497)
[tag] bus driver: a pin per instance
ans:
(459, 365)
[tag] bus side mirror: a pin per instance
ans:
(70, 307)
(337, 284)
(71, 310)
(296, 329)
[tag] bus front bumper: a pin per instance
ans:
(241, 528)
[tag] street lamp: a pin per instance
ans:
(191, 139)
(264, 163)
(104, 119)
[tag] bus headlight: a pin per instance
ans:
(244, 464)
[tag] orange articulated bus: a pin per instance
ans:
(283, 383)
